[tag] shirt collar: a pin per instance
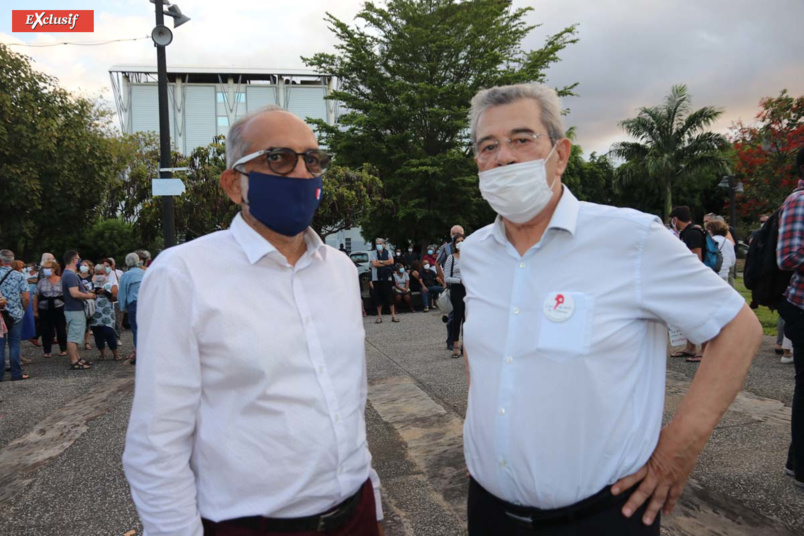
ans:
(565, 217)
(256, 247)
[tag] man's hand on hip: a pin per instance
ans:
(664, 476)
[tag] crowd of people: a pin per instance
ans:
(250, 419)
(65, 304)
(397, 276)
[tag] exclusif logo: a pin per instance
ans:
(51, 21)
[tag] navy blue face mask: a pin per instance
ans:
(285, 205)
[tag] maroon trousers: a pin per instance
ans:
(362, 523)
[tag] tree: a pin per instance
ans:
(55, 159)
(350, 196)
(672, 145)
(766, 154)
(407, 73)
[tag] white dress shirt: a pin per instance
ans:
(567, 344)
(250, 384)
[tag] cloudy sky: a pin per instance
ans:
(730, 53)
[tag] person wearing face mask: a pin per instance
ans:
(75, 294)
(248, 413)
(452, 276)
(85, 275)
(102, 322)
(431, 284)
(382, 269)
(49, 308)
(429, 258)
(567, 305)
(402, 286)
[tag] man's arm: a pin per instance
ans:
(722, 372)
(26, 299)
(167, 392)
(790, 246)
(78, 295)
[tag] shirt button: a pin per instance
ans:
(502, 411)
(509, 359)
(502, 463)
(321, 370)
(516, 310)
(340, 470)
(521, 264)
(337, 417)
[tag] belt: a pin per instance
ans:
(536, 517)
(330, 520)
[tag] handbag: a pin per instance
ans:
(444, 301)
(89, 308)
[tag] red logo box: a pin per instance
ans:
(50, 20)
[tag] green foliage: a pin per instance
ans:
(55, 159)
(672, 146)
(766, 155)
(407, 72)
(108, 238)
(350, 196)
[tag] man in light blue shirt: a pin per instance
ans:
(567, 307)
(128, 293)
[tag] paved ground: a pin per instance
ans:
(62, 433)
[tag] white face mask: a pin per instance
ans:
(517, 192)
(458, 246)
(84, 269)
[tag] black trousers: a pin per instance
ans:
(53, 320)
(599, 515)
(456, 294)
(794, 330)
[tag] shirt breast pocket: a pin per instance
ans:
(565, 330)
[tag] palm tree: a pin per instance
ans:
(672, 144)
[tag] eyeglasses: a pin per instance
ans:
(523, 144)
(283, 161)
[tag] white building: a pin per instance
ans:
(204, 101)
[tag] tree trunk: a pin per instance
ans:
(668, 201)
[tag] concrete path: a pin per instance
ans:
(62, 436)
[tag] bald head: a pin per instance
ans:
(456, 230)
(270, 127)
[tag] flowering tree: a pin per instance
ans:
(765, 154)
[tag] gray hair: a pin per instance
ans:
(236, 145)
(7, 256)
(111, 261)
(545, 96)
(379, 241)
(132, 259)
(47, 257)
(100, 267)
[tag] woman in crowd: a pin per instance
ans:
(85, 274)
(452, 275)
(102, 321)
(719, 231)
(49, 307)
(129, 292)
(402, 286)
(28, 321)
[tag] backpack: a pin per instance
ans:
(761, 274)
(711, 255)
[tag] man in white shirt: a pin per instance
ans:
(567, 309)
(248, 414)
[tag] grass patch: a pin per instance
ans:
(766, 317)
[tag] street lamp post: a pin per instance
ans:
(162, 37)
(734, 187)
